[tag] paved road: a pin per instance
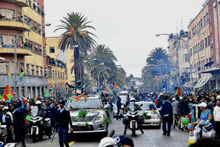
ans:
(151, 138)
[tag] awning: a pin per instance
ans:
(199, 81)
(188, 84)
(202, 82)
(209, 64)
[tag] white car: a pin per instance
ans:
(151, 114)
(96, 124)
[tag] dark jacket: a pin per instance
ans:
(63, 118)
(51, 113)
(18, 121)
(167, 109)
(7, 120)
(183, 107)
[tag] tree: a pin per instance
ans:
(103, 56)
(75, 27)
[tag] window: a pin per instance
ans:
(11, 40)
(41, 71)
(3, 12)
(11, 14)
(1, 41)
(53, 75)
(37, 72)
(66, 75)
(28, 69)
(22, 67)
(58, 74)
(186, 57)
(207, 18)
(32, 73)
(208, 44)
(36, 49)
(52, 50)
(50, 71)
(45, 72)
(41, 50)
(7, 68)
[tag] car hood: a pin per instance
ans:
(149, 112)
(90, 112)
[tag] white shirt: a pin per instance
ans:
(216, 113)
(3, 118)
(61, 110)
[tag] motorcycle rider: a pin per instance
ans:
(6, 120)
(134, 107)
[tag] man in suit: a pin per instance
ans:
(167, 115)
(18, 124)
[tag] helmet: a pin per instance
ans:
(107, 106)
(123, 140)
(78, 82)
(132, 99)
(5, 108)
(107, 141)
(38, 102)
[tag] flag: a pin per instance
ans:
(9, 76)
(8, 94)
(108, 90)
(75, 98)
(178, 91)
(47, 93)
(21, 76)
(116, 87)
(23, 101)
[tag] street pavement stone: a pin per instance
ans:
(151, 138)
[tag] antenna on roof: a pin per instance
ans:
(176, 26)
(182, 23)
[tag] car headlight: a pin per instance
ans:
(99, 118)
(155, 117)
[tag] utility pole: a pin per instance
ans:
(15, 68)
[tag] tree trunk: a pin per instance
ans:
(76, 62)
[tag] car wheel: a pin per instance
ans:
(159, 126)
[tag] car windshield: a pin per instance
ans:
(91, 103)
(148, 106)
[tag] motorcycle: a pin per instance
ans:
(39, 126)
(3, 137)
(133, 120)
(202, 129)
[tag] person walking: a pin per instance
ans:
(216, 114)
(167, 115)
(175, 111)
(18, 124)
(62, 124)
(118, 104)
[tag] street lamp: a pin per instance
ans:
(99, 75)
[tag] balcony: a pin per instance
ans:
(11, 50)
(21, 3)
(14, 25)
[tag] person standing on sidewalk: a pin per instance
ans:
(167, 116)
(62, 124)
(216, 114)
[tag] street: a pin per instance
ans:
(151, 138)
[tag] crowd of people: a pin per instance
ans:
(13, 114)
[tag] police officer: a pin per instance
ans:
(18, 124)
(63, 120)
(6, 120)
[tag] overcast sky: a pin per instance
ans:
(128, 27)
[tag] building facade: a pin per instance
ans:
(23, 43)
(204, 46)
(60, 70)
(179, 53)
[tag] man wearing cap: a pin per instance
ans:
(167, 115)
(6, 120)
(62, 124)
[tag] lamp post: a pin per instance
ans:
(99, 75)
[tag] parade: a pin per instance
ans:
(101, 73)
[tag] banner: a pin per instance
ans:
(8, 94)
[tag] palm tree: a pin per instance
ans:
(103, 55)
(76, 33)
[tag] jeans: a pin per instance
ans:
(63, 136)
(175, 119)
(19, 134)
(167, 121)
